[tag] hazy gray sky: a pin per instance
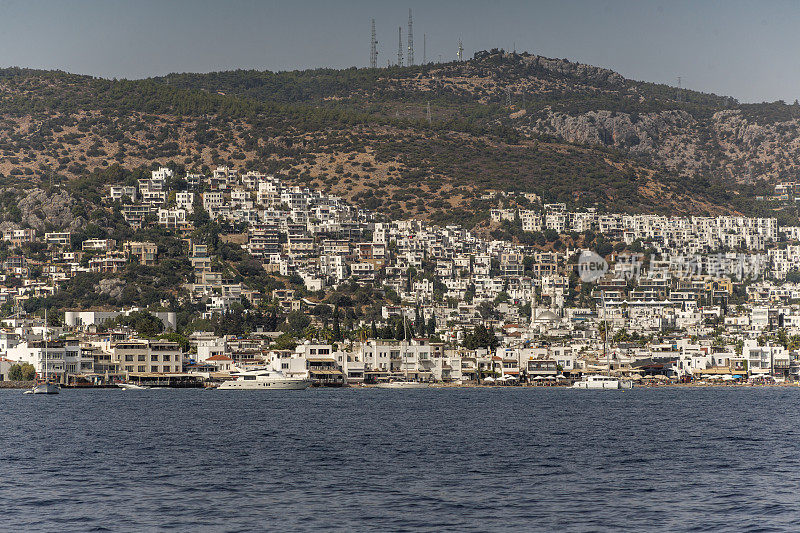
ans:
(749, 50)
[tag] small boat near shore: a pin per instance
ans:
(44, 386)
(599, 381)
(403, 384)
(131, 386)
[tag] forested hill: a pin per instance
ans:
(686, 131)
(570, 132)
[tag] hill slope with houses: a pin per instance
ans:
(422, 141)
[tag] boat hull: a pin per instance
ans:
(131, 386)
(46, 388)
(604, 383)
(402, 385)
(278, 384)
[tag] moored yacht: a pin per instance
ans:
(264, 379)
(602, 382)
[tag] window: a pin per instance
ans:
(142, 358)
(142, 368)
(154, 357)
(285, 366)
(129, 358)
(166, 357)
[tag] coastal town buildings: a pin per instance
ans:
(681, 297)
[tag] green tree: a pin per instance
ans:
(481, 337)
(469, 294)
(337, 329)
(502, 297)
(22, 372)
(298, 321)
(285, 342)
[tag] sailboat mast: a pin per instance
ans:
(605, 335)
(405, 347)
(45, 344)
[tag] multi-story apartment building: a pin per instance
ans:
(145, 253)
(144, 356)
(53, 358)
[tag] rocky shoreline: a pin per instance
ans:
(16, 384)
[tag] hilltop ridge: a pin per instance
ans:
(567, 131)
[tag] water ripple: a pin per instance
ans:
(423, 460)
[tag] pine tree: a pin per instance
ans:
(337, 330)
(374, 331)
(432, 326)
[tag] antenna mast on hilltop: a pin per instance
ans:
(680, 91)
(400, 46)
(460, 51)
(373, 48)
(410, 57)
(424, 48)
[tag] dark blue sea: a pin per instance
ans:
(488, 459)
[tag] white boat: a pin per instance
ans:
(45, 386)
(264, 380)
(131, 386)
(602, 382)
(403, 384)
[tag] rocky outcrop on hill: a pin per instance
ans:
(113, 287)
(640, 133)
(41, 210)
(727, 144)
(577, 70)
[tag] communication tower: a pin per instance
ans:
(373, 48)
(410, 57)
